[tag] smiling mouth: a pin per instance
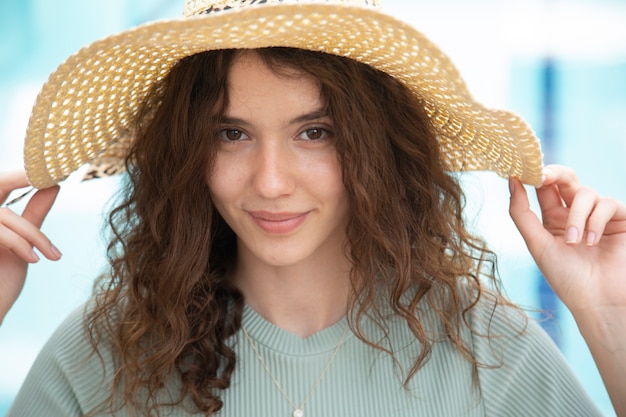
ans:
(278, 223)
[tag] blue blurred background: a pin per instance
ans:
(560, 64)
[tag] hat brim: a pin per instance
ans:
(85, 108)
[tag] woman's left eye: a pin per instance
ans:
(315, 133)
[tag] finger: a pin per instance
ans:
(20, 245)
(549, 198)
(39, 205)
(10, 181)
(606, 210)
(20, 236)
(21, 233)
(527, 222)
(564, 179)
(35, 212)
(581, 208)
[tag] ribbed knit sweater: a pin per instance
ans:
(534, 379)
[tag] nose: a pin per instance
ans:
(274, 174)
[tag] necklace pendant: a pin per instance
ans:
(298, 413)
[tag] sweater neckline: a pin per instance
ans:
(275, 338)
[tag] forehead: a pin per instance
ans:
(255, 86)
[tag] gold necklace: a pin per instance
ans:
(297, 411)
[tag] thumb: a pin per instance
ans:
(39, 205)
(529, 225)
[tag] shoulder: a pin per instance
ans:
(70, 345)
(520, 366)
(67, 375)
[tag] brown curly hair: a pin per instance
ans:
(168, 305)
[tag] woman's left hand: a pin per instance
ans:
(581, 246)
(581, 250)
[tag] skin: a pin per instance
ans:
(277, 183)
(18, 236)
(579, 244)
(581, 250)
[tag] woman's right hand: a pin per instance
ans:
(19, 235)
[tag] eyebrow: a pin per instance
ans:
(307, 117)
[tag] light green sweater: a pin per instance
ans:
(361, 381)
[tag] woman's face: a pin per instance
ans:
(276, 179)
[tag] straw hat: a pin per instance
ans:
(84, 110)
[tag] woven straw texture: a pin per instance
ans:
(85, 109)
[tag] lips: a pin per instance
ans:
(278, 223)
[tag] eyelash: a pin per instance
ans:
(224, 132)
(325, 134)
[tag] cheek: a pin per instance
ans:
(221, 179)
(335, 173)
(329, 179)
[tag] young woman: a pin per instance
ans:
(290, 242)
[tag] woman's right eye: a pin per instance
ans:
(232, 135)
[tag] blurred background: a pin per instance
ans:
(560, 64)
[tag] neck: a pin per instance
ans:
(302, 299)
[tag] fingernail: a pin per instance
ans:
(571, 235)
(511, 186)
(55, 251)
(33, 256)
(591, 238)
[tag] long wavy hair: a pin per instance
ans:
(168, 305)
